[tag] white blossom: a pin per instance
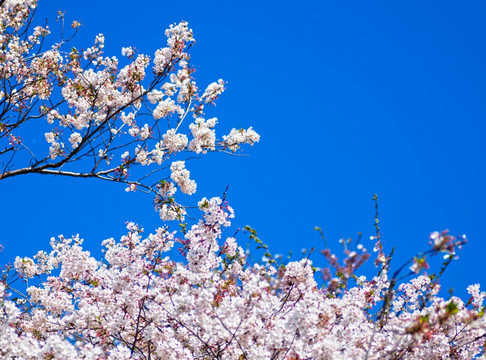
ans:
(75, 139)
(180, 175)
(173, 141)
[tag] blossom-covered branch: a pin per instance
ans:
(104, 117)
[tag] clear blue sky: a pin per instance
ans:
(351, 98)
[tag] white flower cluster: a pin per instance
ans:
(174, 142)
(75, 139)
(213, 91)
(182, 80)
(178, 36)
(235, 138)
(130, 76)
(131, 188)
(165, 108)
(145, 157)
(127, 51)
(476, 295)
(180, 175)
(166, 189)
(204, 135)
(94, 52)
(171, 211)
(144, 132)
(26, 267)
(230, 246)
(203, 237)
(56, 147)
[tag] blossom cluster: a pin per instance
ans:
(180, 175)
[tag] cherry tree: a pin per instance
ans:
(124, 123)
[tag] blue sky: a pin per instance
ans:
(351, 99)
